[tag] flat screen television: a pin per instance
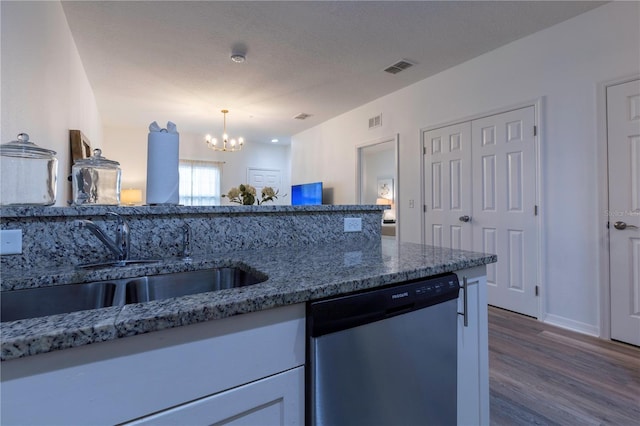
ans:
(306, 194)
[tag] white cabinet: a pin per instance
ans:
(130, 378)
(247, 369)
(276, 400)
(473, 350)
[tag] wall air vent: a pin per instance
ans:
(375, 121)
(302, 116)
(399, 66)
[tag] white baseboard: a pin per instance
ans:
(572, 325)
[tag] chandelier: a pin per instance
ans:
(227, 144)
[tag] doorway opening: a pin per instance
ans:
(377, 181)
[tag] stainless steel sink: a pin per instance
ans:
(44, 301)
(157, 287)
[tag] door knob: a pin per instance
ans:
(464, 218)
(621, 225)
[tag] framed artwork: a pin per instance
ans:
(385, 188)
(80, 145)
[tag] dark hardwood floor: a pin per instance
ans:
(541, 374)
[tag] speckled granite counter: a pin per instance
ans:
(52, 239)
(295, 275)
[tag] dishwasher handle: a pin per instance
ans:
(465, 299)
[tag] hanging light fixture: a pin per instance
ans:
(227, 144)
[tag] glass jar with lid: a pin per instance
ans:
(28, 174)
(96, 181)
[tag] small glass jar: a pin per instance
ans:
(96, 181)
(28, 174)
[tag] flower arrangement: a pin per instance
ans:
(246, 195)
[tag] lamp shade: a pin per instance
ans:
(131, 197)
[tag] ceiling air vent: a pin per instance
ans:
(302, 116)
(399, 66)
(375, 121)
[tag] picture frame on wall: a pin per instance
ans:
(80, 146)
(385, 188)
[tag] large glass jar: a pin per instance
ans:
(28, 174)
(96, 181)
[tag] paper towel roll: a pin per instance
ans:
(162, 168)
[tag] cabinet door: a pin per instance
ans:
(275, 400)
(473, 351)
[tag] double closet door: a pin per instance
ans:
(480, 195)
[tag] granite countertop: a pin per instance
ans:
(295, 275)
(163, 210)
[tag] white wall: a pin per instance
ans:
(128, 146)
(45, 91)
(563, 65)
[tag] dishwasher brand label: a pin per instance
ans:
(400, 295)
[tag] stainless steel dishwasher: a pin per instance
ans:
(384, 357)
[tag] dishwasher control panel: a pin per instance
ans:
(329, 315)
(438, 287)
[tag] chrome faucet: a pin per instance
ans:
(119, 247)
(186, 242)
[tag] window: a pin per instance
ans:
(200, 183)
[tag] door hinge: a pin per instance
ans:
(424, 208)
(424, 150)
(535, 130)
(537, 291)
(535, 210)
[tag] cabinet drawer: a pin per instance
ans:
(276, 400)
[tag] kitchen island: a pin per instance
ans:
(218, 355)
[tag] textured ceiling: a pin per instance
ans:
(157, 60)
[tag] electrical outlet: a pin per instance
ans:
(10, 241)
(352, 258)
(352, 224)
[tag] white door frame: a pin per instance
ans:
(603, 204)
(396, 148)
(539, 108)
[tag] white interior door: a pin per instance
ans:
(259, 178)
(447, 174)
(504, 198)
(623, 138)
(480, 194)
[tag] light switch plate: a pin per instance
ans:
(352, 224)
(10, 241)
